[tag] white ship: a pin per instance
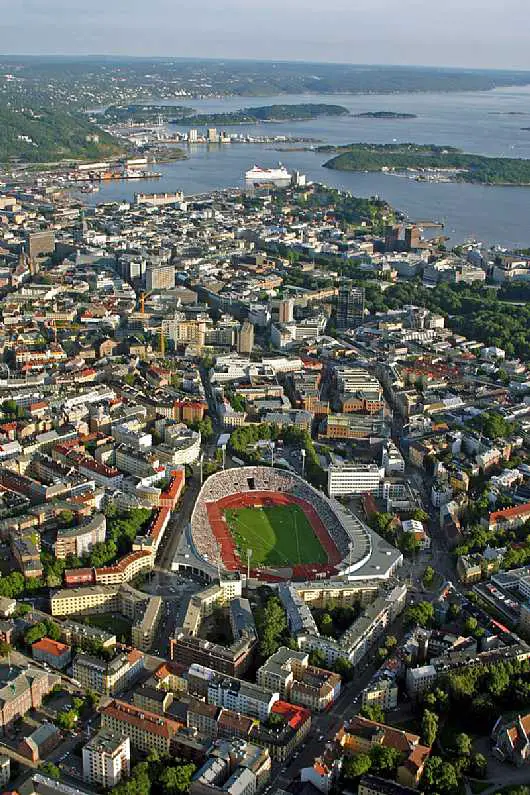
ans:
(258, 174)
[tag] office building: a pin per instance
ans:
(354, 478)
(245, 338)
(350, 305)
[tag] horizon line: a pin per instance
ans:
(85, 56)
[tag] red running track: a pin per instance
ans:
(252, 499)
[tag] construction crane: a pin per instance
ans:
(141, 301)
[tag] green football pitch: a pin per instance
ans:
(278, 535)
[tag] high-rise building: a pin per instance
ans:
(193, 136)
(286, 310)
(245, 338)
(161, 277)
(213, 137)
(350, 305)
(107, 758)
(38, 243)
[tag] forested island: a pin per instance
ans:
(447, 163)
(384, 114)
(43, 136)
(266, 113)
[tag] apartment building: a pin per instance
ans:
(108, 677)
(78, 540)
(106, 759)
(232, 660)
(152, 699)
(235, 767)
(375, 785)
(51, 652)
(126, 568)
(282, 740)
(383, 692)
(84, 601)
(357, 641)
(77, 634)
(360, 735)
(146, 730)
(353, 426)
(22, 687)
(143, 630)
(240, 696)
(288, 672)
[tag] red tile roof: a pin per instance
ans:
(49, 646)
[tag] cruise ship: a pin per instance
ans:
(258, 174)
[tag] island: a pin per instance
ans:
(384, 114)
(429, 162)
(266, 113)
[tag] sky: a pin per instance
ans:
(470, 33)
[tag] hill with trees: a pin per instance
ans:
(266, 113)
(44, 136)
(460, 166)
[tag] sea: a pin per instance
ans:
(486, 123)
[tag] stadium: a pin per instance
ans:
(282, 528)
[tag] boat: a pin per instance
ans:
(259, 174)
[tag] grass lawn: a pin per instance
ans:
(112, 622)
(278, 535)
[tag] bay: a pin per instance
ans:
(487, 123)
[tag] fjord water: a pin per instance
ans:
(487, 123)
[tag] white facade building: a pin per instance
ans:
(354, 478)
(106, 759)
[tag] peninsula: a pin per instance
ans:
(266, 113)
(428, 161)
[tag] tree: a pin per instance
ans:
(326, 625)
(421, 614)
(478, 766)
(356, 766)
(408, 544)
(272, 623)
(373, 712)
(470, 624)
(51, 770)
(463, 744)
(385, 759)
(34, 633)
(317, 658)
(92, 698)
(66, 517)
(498, 680)
(177, 779)
(439, 776)
(428, 576)
(420, 515)
(343, 668)
(429, 727)
(53, 630)
(5, 648)
(67, 720)
(391, 642)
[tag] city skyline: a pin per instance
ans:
(371, 33)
